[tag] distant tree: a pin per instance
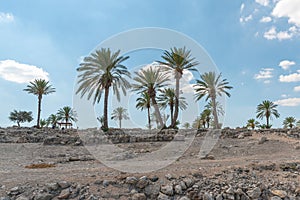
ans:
(289, 122)
(252, 123)
(267, 109)
(211, 86)
(52, 119)
(186, 125)
(43, 123)
(205, 117)
(119, 114)
(197, 123)
(20, 116)
(144, 102)
(220, 110)
(67, 114)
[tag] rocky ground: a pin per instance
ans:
(52, 164)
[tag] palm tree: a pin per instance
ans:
(101, 120)
(99, 72)
(220, 110)
(43, 123)
(178, 60)
(144, 102)
(289, 122)
(212, 86)
(252, 123)
(119, 113)
(205, 117)
(197, 123)
(67, 114)
(20, 116)
(150, 80)
(39, 87)
(52, 119)
(186, 125)
(167, 98)
(267, 109)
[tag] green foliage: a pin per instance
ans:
(144, 102)
(43, 123)
(52, 119)
(119, 114)
(186, 125)
(289, 122)
(267, 109)
(20, 116)
(67, 114)
(252, 123)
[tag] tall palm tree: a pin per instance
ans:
(178, 60)
(220, 110)
(99, 72)
(144, 102)
(39, 87)
(167, 98)
(52, 119)
(267, 109)
(211, 86)
(289, 122)
(67, 114)
(252, 123)
(119, 113)
(150, 80)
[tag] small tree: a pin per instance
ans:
(43, 123)
(186, 125)
(119, 114)
(267, 109)
(20, 116)
(251, 123)
(67, 114)
(52, 119)
(289, 122)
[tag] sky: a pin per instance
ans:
(254, 44)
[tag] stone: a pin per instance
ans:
(153, 178)
(255, 193)
(52, 186)
(241, 136)
(280, 193)
(105, 183)
(139, 196)
(219, 197)
(262, 140)
(22, 198)
(43, 196)
(207, 196)
(184, 198)
(5, 198)
(275, 198)
(169, 176)
(167, 189)
(64, 194)
(182, 185)
(188, 182)
(131, 180)
(178, 189)
(142, 182)
(297, 147)
(152, 190)
(162, 196)
(230, 190)
(64, 184)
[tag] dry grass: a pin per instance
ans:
(39, 166)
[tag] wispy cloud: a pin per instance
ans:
(263, 2)
(286, 64)
(291, 102)
(13, 71)
(265, 19)
(264, 73)
(297, 89)
(294, 77)
(6, 17)
(272, 34)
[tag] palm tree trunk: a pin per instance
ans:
(106, 93)
(215, 114)
(149, 119)
(267, 122)
(177, 77)
(120, 123)
(172, 110)
(157, 112)
(18, 123)
(39, 111)
(66, 123)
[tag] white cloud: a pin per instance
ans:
(288, 102)
(13, 71)
(289, 9)
(297, 89)
(6, 17)
(265, 19)
(246, 19)
(267, 81)
(272, 34)
(263, 2)
(242, 7)
(295, 77)
(286, 64)
(284, 95)
(264, 73)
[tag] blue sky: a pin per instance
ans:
(254, 43)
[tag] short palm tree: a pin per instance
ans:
(167, 98)
(144, 102)
(150, 80)
(39, 87)
(20, 116)
(119, 113)
(178, 60)
(43, 123)
(205, 117)
(99, 72)
(52, 119)
(252, 123)
(67, 114)
(289, 122)
(267, 109)
(186, 125)
(211, 86)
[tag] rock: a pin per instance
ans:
(188, 182)
(241, 136)
(52, 186)
(98, 182)
(182, 185)
(169, 176)
(219, 197)
(22, 198)
(262, 140)
(255, 193)
(178, 189)
(64, 184)
(64, 194)
(297, 147)
(43, 196)
(152, 190)
(162, 196)
(5, 198)
(275, 198)
(15, 191)
(167, 189)
(105, 183)
(230, 190)
(131, 180)
(142, 182)
(184, 198)
(207, 196)
(280, 193)
(139, 196)
(153, 178)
